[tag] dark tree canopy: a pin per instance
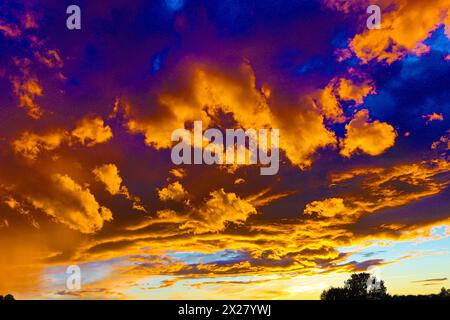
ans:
(357, 288)
(360, 286)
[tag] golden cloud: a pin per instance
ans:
(213, 215)
(28, 89)
(327, 103)
(433, 117)
(30, 145)
(91, 131)
(173, 191)
(348, 90)
(210, 95)
(403, 31)
(372, 138)
(109, 175)
(72, 205)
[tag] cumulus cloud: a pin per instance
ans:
(71, 204)
(30, 145)
(218, 211)
(207, 93)
(348, 90)
(327, 103)
(109, 175)
(173, 191)
(372, 138)
(91, 131)
(391, 42)
(213, 215)
(327, 100)
(326, 208)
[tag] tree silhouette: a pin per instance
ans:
(334, 294)
(357, 288)
(357, 285)
(445, 293)
(378, 292)
(7, 297)
(360, 287)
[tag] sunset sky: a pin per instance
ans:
(86, 176)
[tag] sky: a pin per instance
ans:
(87, 180)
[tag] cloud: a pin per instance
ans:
(372, 138)
(28, 89)
(346, 6)
(227, 228)
(30, 145)
(430, 280)
(327, 101)
(348, 90)
(91, 131)
(178, 172)
(213, 215)
(70, 204)
(326, 208)
(50, 58)
(109, 175)
(392, 42)
(173, 191)
(10, 30)
(21, 209)
(443, 144)
(219, 210)
(433, 117)
(213, 95)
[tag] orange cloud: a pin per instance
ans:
(50, 58)
(372, 138)
(443, 143)
(208, 94)
(30, 145)
(173, 191)
(348, 90)
(214, 215)
(10, 30)
(109, 175)
(27, 90)
(433, 117)
(326, 102)
(403, 31)
(91, 131)
(72, 205)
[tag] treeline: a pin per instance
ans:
(360, 286)
(7, 297)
